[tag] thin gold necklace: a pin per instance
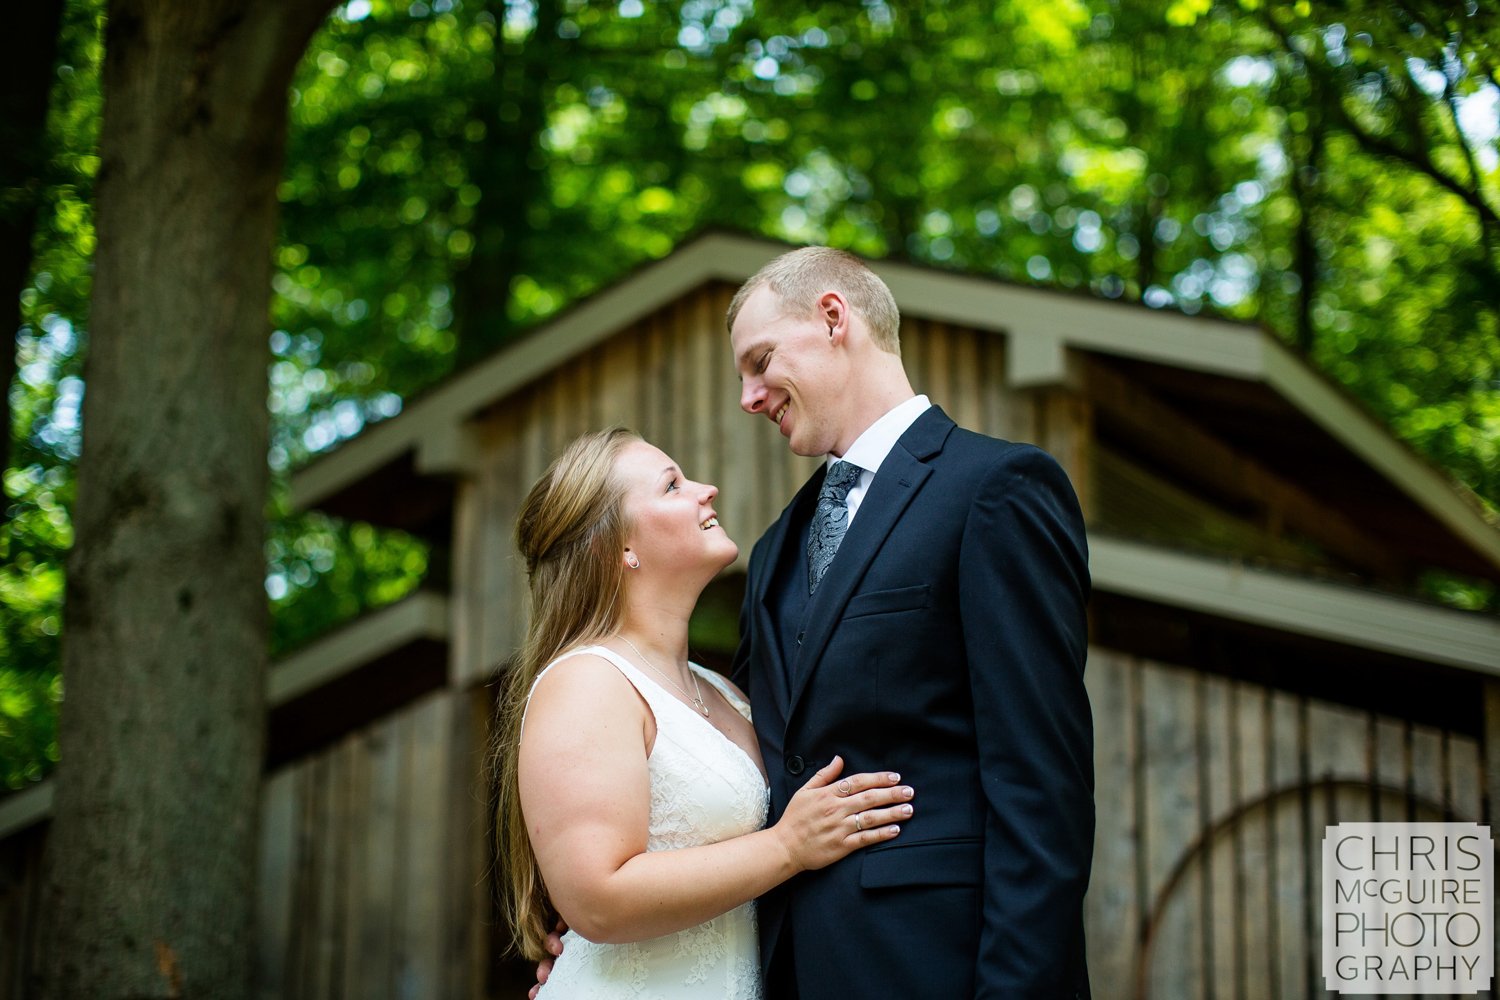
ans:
(696, 696)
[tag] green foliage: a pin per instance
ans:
(31, 592)
(45, 399)
(458, 171)
(355, 567)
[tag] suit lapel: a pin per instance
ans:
(900, 478)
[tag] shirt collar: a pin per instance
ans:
(871, 447)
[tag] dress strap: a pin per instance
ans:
(634, 676)
(718, 680)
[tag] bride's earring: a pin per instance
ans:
(631, 560)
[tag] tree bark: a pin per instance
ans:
(26, 75)
(152, 848)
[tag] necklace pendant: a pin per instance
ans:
(697, 695)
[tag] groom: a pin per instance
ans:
(918, 605)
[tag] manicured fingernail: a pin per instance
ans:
(894, 830)
(908, 792)
(894, 777)
(904, 810)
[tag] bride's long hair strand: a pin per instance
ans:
(571, 531)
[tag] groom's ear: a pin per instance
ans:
(833, 310)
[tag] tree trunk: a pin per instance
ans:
(509, 168)
(152, 848)
(26, 75)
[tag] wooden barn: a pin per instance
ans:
(1261, 663)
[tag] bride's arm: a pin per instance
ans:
(586, 795)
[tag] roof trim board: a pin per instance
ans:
(1315, 608)
(422, 615)
(26, 808)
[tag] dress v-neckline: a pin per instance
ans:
(763, 778)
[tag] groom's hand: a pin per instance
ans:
(544, 967)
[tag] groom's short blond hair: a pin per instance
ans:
(798, 277)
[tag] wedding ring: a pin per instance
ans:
(845, 789)
(858, 826)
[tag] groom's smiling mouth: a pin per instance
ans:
(781, 413)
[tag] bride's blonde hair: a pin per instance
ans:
(572, 533)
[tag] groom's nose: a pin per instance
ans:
(752, 397)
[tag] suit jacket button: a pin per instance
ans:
(799, 637)
(795, 764)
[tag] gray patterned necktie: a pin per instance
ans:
(830, 520)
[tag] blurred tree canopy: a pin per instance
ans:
(458, 171)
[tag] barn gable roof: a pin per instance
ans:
(1234, 378)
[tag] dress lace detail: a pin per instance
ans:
(704, 789)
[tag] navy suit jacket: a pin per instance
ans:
(946, 642)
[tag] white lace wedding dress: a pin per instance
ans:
(704, 789)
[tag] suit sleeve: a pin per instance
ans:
(1023, 586)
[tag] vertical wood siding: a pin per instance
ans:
(370, 852)
(1212, 798)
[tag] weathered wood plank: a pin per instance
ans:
(334, 863)
(536, 451)
(559, 409)
(1427, 770)
(619, 387)
(575, 400)
(1337, 747)
(591, 388)
(381, 872)
(991, 373)
(1288, 858)
(966, 406)
(468, 873)
(1111, 912)
(473, 578)
(704, 410)
(429, 802)
(1391, 768)
(1465, 777)
(654, 415)
(352, 854)
(277, 871)
(914, 353)
(1218, 798)
(503, 603)
(1171, 753)
(1254, 894)
(312, 814)
(938, 374)
(746, 510)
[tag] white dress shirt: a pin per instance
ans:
(871, 447)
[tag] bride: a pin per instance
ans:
(632, 794)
